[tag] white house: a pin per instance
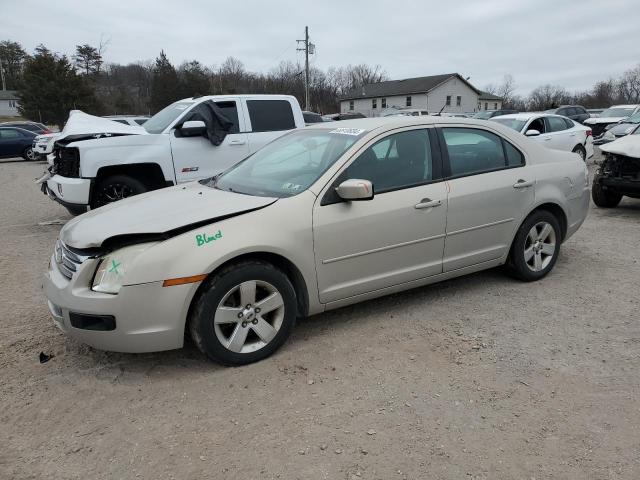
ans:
(449, 93)
(489, 101)
(9, 103)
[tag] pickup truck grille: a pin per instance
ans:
(66, 162)
(66, 260)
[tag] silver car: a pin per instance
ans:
(320, 218)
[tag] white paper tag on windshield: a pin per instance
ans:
(348, 131)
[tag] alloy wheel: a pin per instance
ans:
(249, 316)
(31, 155)
(540, 246)
(116, 191)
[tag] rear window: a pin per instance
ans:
(270, 115)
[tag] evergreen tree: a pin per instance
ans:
(12, 57)
(87, 59)
(51, 88)
(165, 86)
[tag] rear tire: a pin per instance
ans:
(536, 246)
(243, 313)
(114, 188)
(29, 155)
(603, 198)
(579, 149)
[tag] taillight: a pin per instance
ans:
(46, 131)
(589, 132)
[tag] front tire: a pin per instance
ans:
(244, 313)
(536, 246)
(75, 211)
(116, 187)
(603, 198)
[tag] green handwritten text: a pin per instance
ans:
(204, 238)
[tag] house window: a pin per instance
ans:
(374, 103)
(448, 100)
(408, 101)
(384, 103)
(458, 101)
(495, 106)
(350, 104)
(486, 106)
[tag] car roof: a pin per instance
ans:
(529, 115)
(15, 127)
(243, 96)
(623, 106)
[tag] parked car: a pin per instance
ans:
(574, 112)
(82, 126)
(618, 175)
(595, 112)
(334, 117)
(610, 116)
(405, 112)
(134, 120)
(16, 142)
(553, 131)
(320, 218)
(487, 114)
(629, 126)
(190, 139)
(311, 117)
(34, 127)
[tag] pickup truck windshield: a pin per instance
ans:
(288, 165)
(616, 112)
(165, 117)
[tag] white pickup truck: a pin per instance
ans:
(189, 140)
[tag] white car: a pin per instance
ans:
(552, 131)
(82, 124)
(610, 116)
(190, 139)
(320, 218)
(404, 112)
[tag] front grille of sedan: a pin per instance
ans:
(66, 162)
(67, 261)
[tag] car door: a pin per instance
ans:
(196, 157)
(490, 189)
(398, 235)
(562, 138)
(12, 142)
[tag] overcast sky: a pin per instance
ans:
(572, 43)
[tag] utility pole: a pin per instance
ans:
(309, 48)
(4, 85)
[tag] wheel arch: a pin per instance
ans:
(556, 210)
(150, 173)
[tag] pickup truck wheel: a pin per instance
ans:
(536, 246)
(579, 149)
(243, 313)
(75, 211)
(114, 188)
(603, 198)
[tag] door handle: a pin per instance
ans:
(523, 184)
(546, 139)
(237, 142)
(427, 203)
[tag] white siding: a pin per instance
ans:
(490, 104)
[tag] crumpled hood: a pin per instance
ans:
(161, 213)
(622, 128)
(80, 123)
(628, 146)
(593, 121)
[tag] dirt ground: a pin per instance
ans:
(481, 377)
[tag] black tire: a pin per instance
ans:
(517, 264)
(75, 211)
(29, 155)
(114, 188)
(603, 198)
(213, 292)
(579, 149)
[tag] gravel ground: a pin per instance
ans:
(481, 377)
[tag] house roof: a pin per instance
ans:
(9, 95)
(407, 86)
(488, 96)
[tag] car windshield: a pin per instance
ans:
(616, 112)
(484, 115)
(513, 123)
(633, 119)
(165, 117)
(289, 165)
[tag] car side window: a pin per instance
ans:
(472, 151)
(556, 124)
(9, 133)
(537, 124)
(568, 122)
(230, 110)
(270, 115)
(400, 160)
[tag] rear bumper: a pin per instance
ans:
(72, 192)
(147, 317)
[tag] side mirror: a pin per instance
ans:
(355, 189)
(532, 133)
(192, 128)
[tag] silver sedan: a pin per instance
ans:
(321, 218)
